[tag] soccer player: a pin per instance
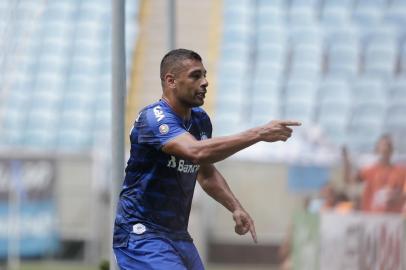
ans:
(171, 147)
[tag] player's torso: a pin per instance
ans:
(157, 185)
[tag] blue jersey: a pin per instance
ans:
(158, 188)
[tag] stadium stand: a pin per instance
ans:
(337, 64)
(55, 79)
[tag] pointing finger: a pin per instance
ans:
(290, 123)
(253, 232)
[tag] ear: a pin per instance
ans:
(170, 80)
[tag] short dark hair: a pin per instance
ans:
(172, 60)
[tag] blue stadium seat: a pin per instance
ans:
(264, 91)
(14, 118)
(367, 113)
(43, 117)
(397, 91)
(306, 62)
(343, 60)
(272, 52)
(40, 138)
(344, 34)
(270, 71)
(241, 34)
(369, 90)
(273, 3)
(339, 3)
(302, 16)
(271, 35)
(335, 16)
(76, 119)
(333, 116)
(380, 58)
(362, 139)
(368, 14)
(270, 15)
(396, 13)
(301, 91)
(264, 111)
(300, 110)
(395, 116)
(18, 94)
(381, 33)
(305, 35)
(334, 90)
(74, 139)
(403, 60)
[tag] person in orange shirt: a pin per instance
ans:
(384, 181)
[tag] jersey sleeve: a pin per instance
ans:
(158, 129)
(208, 125)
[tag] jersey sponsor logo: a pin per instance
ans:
(139, 228)
(203, 136)
(159, 114)
(181, 166)
(163, 129)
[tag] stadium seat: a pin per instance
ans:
(40, 138)
(333, 116)
(302, 16)
(263, 112)
(309, 34)
(403, 60)
(396, 13)
(13, 118)
(73, 140)
(395, 116)
(271, 35)
(334, 111)
(397, 91)
(270, 15)
(344, 34)
(367, 89)
(335, 16)
(306, 62)
(267, 91)
(339, 3)
(361, 139)
(272, 52)
(301, 91)
(368, 13)
(333, 90)
(382, 33)
(380, 58)
(300, 110)
(61, 59)
(43, 117)
(368, 113)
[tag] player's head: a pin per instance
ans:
(183, 77)
(384, 147)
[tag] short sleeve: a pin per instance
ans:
(157, 129)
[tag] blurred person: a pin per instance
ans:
(325, 200)
(384, 181)
(171, 147)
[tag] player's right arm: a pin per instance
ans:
(349, 176)
(219, 148)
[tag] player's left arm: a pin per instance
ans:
(214, 184)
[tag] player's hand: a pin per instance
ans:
(244, 223)
(277, 130)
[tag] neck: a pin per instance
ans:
(385, 161)
(179, 108)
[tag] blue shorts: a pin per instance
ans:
(154, 252)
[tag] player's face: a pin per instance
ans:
(384, 148)
(191, 83)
